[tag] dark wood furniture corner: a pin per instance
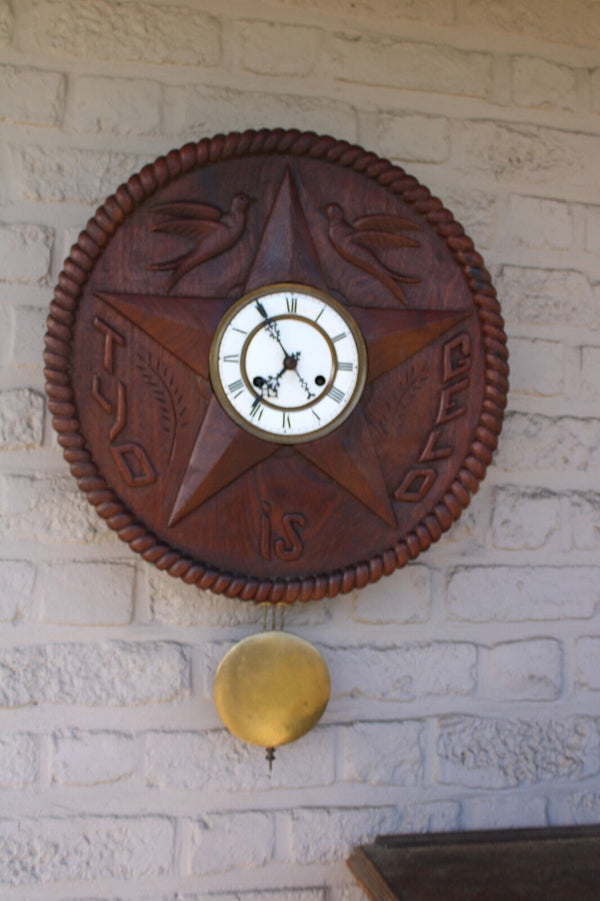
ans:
(557, 864)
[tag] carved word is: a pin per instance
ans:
(290, 546)
(130, 457)
(456, 362)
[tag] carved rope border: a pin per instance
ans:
(58, 350)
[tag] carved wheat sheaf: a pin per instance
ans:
(58, 354)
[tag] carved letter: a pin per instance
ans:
(121, 420)
(431, 452)
(415, 486)
(110, 338)
(449, 407)
(456, 356)
(133, 464)
(292, 547)
(98, 396)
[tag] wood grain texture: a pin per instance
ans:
(126, 356)
(559, 864)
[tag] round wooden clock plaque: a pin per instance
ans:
(276, 365)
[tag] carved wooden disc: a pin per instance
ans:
(128, 347)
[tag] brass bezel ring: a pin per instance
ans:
(217, 383)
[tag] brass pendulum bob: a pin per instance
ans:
(271, 688)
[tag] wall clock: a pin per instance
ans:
(276, 365)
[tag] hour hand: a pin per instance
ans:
(268, 386)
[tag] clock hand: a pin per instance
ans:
(273, 330)
(270, 384)
(305, 385)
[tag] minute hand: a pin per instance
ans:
(273, 330)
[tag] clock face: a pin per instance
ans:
(276, 365)
(288, 364)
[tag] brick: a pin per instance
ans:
(595, 86)
(539, 83)
(31, 96)
(585, 517)
(403, 673)
(308, 894)
(412, 138)
(185, 605)
(524, 518)
(547, 297)
(19, 761)
(537, 223)
(6, 22)
(233, 841)
(114, 674)
(155, 33)
(70, 174)
(510, 152)
(7, 327)
(93, 758)
(535, 442)
(468, 534)
(96, 594)
(520, 593)
(588, 672)
(271, 49)
(385, 61)
(193, 110)
(118, 106)
(578, 809)
(21, 419)
(494, 812)
(16, 588)
(25, 252)
(403, 598)
(434, 816)
(590, 371)
(398, 759)
(190, 761)
(47, 508)
(475, 210)
(321, 835)
(346, 893)
(30, 328)
(537, 367)
(592, 229)
(52, 849)
(572, 23)
(527, 670)
(480, 752)
(439, 11)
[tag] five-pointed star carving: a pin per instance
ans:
(223, 451)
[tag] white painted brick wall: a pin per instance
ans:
(465, 687)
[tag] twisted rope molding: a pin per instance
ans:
(58, 350)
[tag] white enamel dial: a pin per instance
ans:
(288, 363)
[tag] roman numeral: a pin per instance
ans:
(286, 421)
(346, 367)
(339, 337)
(231, 358)
(336, 395)
(238, 386)
(256, 409)
(291, 304)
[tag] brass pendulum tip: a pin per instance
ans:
(270, 757)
